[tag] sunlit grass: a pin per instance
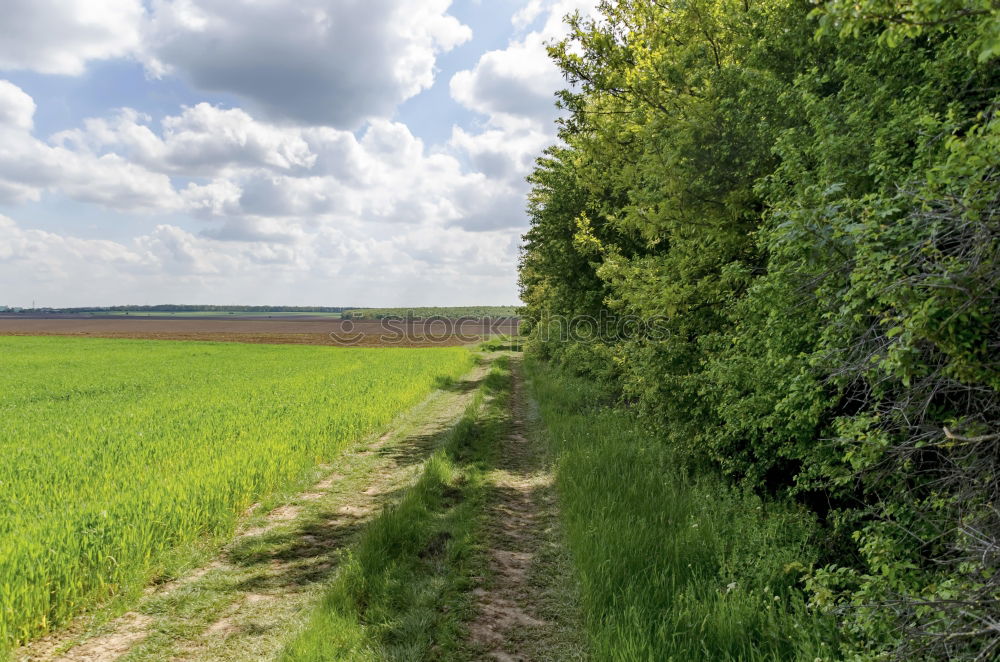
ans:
(115, 452)
(672, 566)
(403, 592)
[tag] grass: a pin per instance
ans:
(404, 590)
(672, 566)
(119, 452)
(502, 343)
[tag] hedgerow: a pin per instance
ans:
(806, 199)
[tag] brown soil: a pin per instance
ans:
(296, 332)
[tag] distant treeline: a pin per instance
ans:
(181, 308)
(477, 312)
(454, 312)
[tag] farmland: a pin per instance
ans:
(449, 312)
(119, 451)
(365, 333)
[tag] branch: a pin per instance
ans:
(970, 440)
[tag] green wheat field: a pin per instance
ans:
(117, 452)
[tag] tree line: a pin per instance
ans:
(196, 308)
(806, 199)
(447, 312)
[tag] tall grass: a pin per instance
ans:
(404, 591)
(672, 566)
(116, 451)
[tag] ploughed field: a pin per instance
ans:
(367, 333)
(118, 452)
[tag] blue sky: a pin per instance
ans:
(329, 152)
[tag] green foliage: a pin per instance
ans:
(806, 199)
(502, 344)
(977, 21)
(116, 452)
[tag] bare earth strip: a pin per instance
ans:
(297, 332)
(245, 604)
(528, 607)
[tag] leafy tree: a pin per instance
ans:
(805, 199)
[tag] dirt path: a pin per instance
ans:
(244, 604)
(528, 607)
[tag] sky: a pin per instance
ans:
(283, 152)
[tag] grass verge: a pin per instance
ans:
(404, 590)
(502, 343)
(671, 565)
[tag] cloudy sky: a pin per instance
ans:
(299, 152)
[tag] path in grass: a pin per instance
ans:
(527, 606)
(245, 603)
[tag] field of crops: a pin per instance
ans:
(117, 451)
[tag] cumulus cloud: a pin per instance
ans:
(224, 165)
(527, 14)
(330, 62)
(514, 89)
(312, 188)
(61, 36)
(502, 153)
(328, 265)
(17, 109)
(320, 62)
(518, 84)
(46, 261)
(29, 166)
(203, 140)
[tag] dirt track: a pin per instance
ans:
(245, 603)
(301, 332)
(527, 607)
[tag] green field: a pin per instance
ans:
(118, 452)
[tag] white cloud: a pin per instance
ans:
(258, 179)
(327, 266)
(29, 166)
(313, 190)
(17, 109)
(330, 62)
(46, 256)
(514, 89)
(505, 153)
(518, 84)
(322, 62)
(219, 197)
(61, 36)
(527, 14)
(203, 140)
